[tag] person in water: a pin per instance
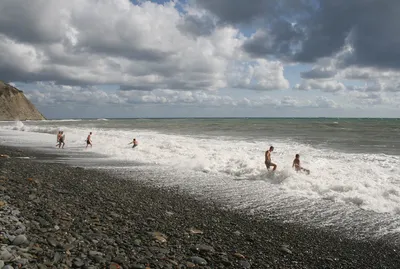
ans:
(61, 140)
(89, 140)
(58, 139)
(268, 162)
(297, 166)
(134, 143)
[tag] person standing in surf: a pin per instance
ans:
(89, 140)
(268, 162)
(61, 140)
(134, 142)
(297, 166)
(58, 139)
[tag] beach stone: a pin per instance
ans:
(285, 249)
(239, 255)
(78, 263)
(202, 248)
(244, 264)
(226, 262)
(159, 237)
(20, 230)
(169, 213)
(57, 257)
(115, 266)
(190, 265)
(8, 267)
(137, 242)
(109, 241)
(20, 240)
(5, 255)
(198, 260)
(22, 261)
(52, 241)
(138, 266)
(119, 259)
(93, 253)
(195, 231)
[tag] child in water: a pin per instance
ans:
(297, 166)
(134, 142)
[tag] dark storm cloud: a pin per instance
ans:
(197, 25)
(236, 11)
(280, 40)
(318, 74)
(23, 22)
(47, 75)
(322, 27)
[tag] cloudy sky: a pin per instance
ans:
(212, 58)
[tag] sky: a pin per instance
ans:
(203, 58)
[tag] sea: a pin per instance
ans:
(353, 187)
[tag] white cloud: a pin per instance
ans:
(323, 85)
(334, 75)
(261, 75)
(368, 99)
(140, 47)
(49, 94)
(46, 94)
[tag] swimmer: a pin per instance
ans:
(268, 162)
(58, 139)
(61, 140)
(297, 166)
(134, 142)
(89, 140)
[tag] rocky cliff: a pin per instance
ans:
(15, 106)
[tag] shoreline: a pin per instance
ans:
(84, 218)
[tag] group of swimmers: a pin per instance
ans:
(61, 140)
(135, 143)
(296, 162)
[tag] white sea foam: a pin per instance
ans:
(367, 181)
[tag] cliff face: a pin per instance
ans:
(15, 106)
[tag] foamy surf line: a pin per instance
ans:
(340, 191)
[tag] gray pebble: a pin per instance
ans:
(93, 253)
(202, 248)
(20, 240)
(5, 255)
(78, 263)
(52, 241)
(286, 249)
(198, 260)
(244, 264)
(138, 266)
(19, 231)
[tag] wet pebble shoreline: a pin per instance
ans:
(57, 216)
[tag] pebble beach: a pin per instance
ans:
(57, 216)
